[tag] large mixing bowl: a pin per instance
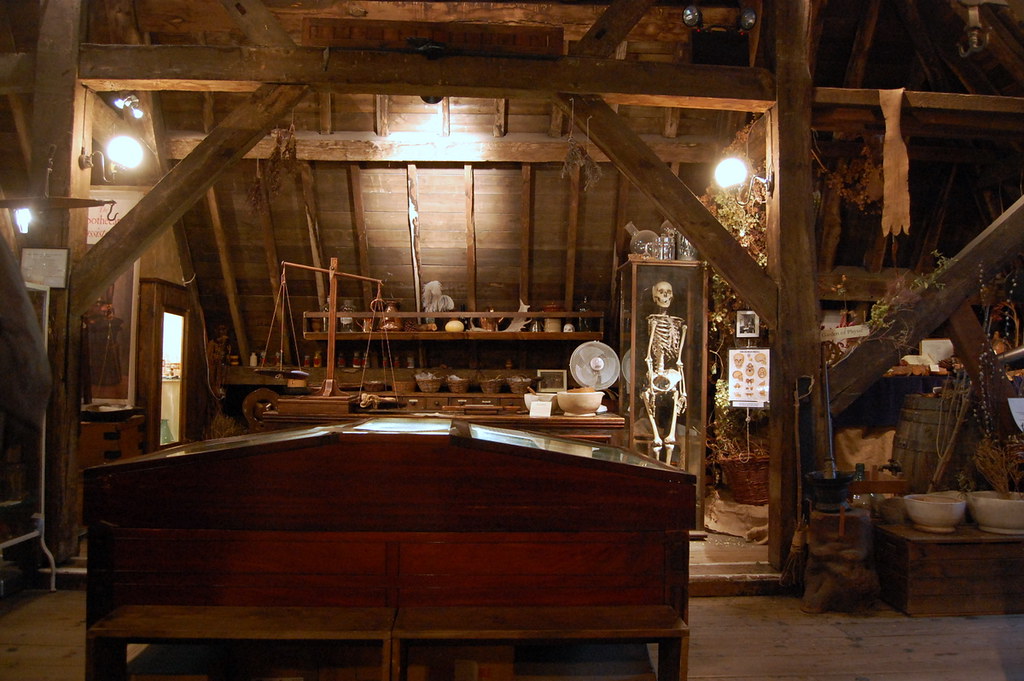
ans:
(935, 512)
(580, 404)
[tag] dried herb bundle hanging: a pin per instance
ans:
(283, 159)
(578, 157)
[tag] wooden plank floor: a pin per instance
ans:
(749, 638)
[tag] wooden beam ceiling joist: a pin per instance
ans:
(242, 69)
(675, 200)
(658, 24)
(925, 114)
(17, 72)
(178, 190)
(428, 147)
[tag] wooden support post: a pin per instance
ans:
(325, 108)
(316, 247)
(446, 117)
(273, 265)
(500, 117)
(227, 270)
(572, 233)
(380, 116)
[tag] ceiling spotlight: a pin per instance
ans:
(129, 103)
(692, 17)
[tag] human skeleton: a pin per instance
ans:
(664, 368)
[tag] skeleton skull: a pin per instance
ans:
(662, 294)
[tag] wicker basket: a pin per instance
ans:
(491, 385)
(373, 386)
(404, 386)
(519, 384)
(747, 478)
(458, 384)
(428, 383)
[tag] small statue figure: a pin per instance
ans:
(664, 369)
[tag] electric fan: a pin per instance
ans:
(595, 365)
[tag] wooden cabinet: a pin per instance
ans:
(101, 442)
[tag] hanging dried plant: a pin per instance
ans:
(255, 195)
(578, 157)
(282, 159)
(859, 180)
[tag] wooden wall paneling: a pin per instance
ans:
(831, 231)
(381, 121)
(305, 181)
(359, 231)
(225, 254)
(525, 231)
(572, 235)
(500, 117)
(414, 229)
(325, 106)
(274, 274)
(470, 217)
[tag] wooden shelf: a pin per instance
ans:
(342, 336)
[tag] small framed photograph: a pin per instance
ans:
(748, 324)
(551, 380)
(46, 266)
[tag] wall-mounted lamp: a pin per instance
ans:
(129, 103)
(732, 172)
(122, 152)
(693, 18)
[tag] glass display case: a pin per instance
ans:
(663, 346)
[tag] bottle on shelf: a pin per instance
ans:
(318, 359)
(583, 323)
(346, 321)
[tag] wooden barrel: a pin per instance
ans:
(925, 425)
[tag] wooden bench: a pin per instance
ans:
(544, 625)
(107, 640)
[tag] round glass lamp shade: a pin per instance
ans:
(730, 173)
(125, 151)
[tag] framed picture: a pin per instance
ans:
(748, 324)
(749, 377)
(551, 380)
(46, 266)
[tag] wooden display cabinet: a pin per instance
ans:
(688, 280)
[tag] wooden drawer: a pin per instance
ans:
(425, 402)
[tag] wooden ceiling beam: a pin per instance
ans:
(611, 28)
(241, 69)
(675, 200)
(575, 19)
(17, 72)
(428, 147)
(179, 189)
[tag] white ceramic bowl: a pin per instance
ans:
(580, 404)
(996, 514)
(935, 512)
(530, 398)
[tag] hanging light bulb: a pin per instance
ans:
(23, 218)
(125, 151)
(730, 173)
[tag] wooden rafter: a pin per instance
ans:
(307, 190)
(227, 270)
(180, 188)
(611, 28)
(979, 261)
(413, 203)
(675, 200)
(257, 23)
(355, 186)
(525, 230)
(572, 234)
